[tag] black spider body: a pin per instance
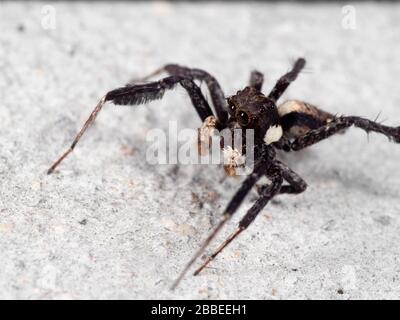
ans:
(251, 109)
(291, 126)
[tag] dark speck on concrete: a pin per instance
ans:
(21, 28)
(383, 220)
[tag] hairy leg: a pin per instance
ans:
(295, 185)
(340, 123)
(267, 194)
(230, 210)
(139, 94)
(282, 84)
(256, 80)
(217, 95)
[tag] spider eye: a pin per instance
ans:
(243, 118)
(231, 106)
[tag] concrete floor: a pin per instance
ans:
(108, 225)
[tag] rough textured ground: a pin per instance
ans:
(109, 225)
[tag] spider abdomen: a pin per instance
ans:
(298, 117)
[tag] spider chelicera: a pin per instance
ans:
(290, 126)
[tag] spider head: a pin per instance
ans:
(250, 109)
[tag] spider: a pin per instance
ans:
(290, 126)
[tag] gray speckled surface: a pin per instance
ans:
(108, 225)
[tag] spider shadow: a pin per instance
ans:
(355, 179)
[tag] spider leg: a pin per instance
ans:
(282, 84)
(340, 123)
(217, 95)
(256, 80)
(268, 193)
(139, 94)
(295, 185)
(233, 205)
(87, 124)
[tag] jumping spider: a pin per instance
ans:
(292, 125)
